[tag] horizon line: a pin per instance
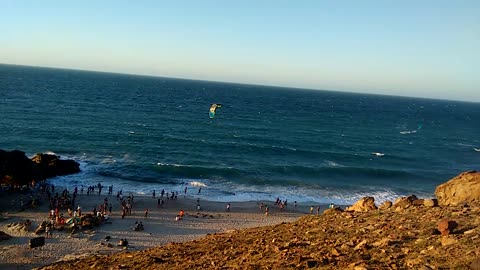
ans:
(230, 82)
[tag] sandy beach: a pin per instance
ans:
(160, 227)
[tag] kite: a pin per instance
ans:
(213, 109)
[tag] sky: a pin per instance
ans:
(408, 48)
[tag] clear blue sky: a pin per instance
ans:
(410, 48)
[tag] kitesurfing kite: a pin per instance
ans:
(213, 110)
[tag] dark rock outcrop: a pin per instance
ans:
(47, 166)
(17, 169)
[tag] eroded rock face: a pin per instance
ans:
(365, 204)
(464, 188)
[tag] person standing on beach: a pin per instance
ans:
(266, 211)
(228, 207)
(146, 213)
(47, 230)
(199, 189)
(154, 193)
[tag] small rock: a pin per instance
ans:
(446, 226)
(335, 252)
(448, 240)
(382, 243)
(360, 245)
(413, 262)
(469, 231)
(419, 240)
(475, 265)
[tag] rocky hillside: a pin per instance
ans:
(405, 237)
(410, 233)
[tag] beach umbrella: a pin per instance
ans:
(73, 220)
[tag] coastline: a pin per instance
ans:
(160, 227)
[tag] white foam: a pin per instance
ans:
(333, 163)
(197, 184)
(172, 164)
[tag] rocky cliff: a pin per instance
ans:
(16, 168)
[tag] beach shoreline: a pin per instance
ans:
(160, 226)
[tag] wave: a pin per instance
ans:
(197, 184)
(333, 163)
(195, 171)
(408, 132)
(340, 171)
(218, 186)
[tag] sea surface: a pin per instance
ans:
(142, 133)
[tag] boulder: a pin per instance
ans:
(405, 202)
(365, 204)
(418, 202)
(335, 210)
(464, 188)
(446, 226)
(430, 202)
(385, 205)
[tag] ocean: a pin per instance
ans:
(141, 133)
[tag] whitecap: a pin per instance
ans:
(197, 184)
(333, 163)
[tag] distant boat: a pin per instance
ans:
(378, 154)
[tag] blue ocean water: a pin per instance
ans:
(142, 133)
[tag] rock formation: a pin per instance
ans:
(464, 188)
(405, 202)
(17, 169)
(385, 205)
(365, 204)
